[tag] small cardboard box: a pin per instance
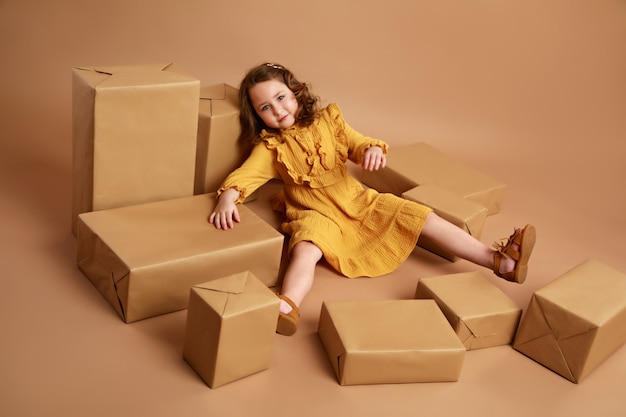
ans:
(462, 212)
(389, 341)
(576, 321)
(480, 313)
(134, 135)
(421, 164)
(143, 259)
(219, 150)
(231, 325)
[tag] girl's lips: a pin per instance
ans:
(282, 119)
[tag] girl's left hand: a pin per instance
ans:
(374, 159)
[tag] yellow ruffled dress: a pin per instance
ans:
(361, 232)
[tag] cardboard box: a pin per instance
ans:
(462, 212)
(134, 135)
(231, 325)
(479, 312)
(389, 341)
(219, 151)
(576, 321)
(143, 259)
(421, 164)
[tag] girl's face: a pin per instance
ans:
(275, 104)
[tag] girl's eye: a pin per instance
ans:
(266, 107)
(281, 98)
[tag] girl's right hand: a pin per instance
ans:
(225, 213)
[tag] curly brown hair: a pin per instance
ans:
(251, 123)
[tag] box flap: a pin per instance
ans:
(112, 69)
(213, 92)
(232, 284)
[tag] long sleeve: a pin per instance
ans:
(253, 173)
(357, 143)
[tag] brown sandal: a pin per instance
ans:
(525, 238)
(288, 323)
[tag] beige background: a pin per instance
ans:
(532, 92)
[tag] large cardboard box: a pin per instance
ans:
(421, 164)
(576, 321)
(460, 211)
(231, 325)
(219, 150)
(143, 259)
(389, 341)
(134, 135)
(479, 312)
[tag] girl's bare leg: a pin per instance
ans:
(460, 243)
(300, 272)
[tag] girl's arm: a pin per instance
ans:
(225, 212)
(254, 172)
(368, 152)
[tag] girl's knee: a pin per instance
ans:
(306, 249)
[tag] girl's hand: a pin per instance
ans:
(225, 213)
(374, 159)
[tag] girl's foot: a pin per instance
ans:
(511, 258)
(288, 316)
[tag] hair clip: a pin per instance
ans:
(278, 67)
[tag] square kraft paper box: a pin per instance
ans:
(219, 150)
(462, 212)
(389, 341)
(420, 164)
(134, 135)
(144, 258)
(230, 330)
(479, 312)
(576, 321)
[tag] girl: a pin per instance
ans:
(359, 231)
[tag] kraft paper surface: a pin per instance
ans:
(389, 341)
(231, 326)
(144, 258)
(576, 321)
(479, 312)
(422, 164)
(134, 135)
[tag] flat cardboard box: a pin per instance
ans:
(462, 212)
(134, 135)
(219, 150)
(143, 259)
(231, 326)
(420, 164)
(389, 341)
(577, 321)
(479, 312)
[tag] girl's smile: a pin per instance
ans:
(274, 103)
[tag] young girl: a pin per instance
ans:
(359, 231)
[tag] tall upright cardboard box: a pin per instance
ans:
(134, 135)
(218, 151)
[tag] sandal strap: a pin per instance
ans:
(497, 259)
(507, 248)
(290, 302)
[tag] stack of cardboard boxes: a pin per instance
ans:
(151, 147)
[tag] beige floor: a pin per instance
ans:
(530, 92)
